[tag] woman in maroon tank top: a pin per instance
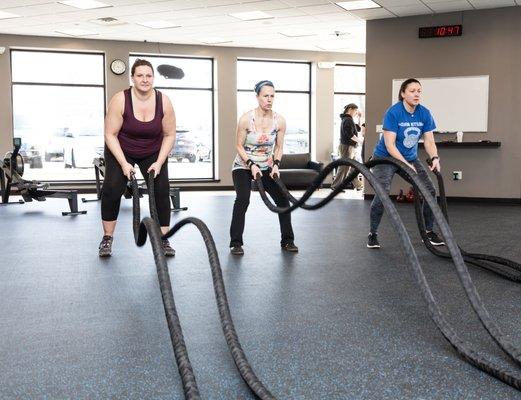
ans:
(139, 129)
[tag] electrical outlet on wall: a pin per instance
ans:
(457, 175)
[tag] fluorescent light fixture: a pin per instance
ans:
(5, 15)
(85, 4)
(159, 24)
(76, 32)
(215, 40)
(296, 33)
(358, 5)
(251, 15)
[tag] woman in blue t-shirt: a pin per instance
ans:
(404, 124)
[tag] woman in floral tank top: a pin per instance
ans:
(260, 140)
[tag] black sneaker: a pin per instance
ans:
(372, 241)
(289, 247)
(167, 249)
(237, 250)
(105, 247)
(434, 239)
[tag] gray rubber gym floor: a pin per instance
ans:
(335, 321)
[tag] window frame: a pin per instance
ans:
(350, 65)
(351, 93)
(308, 92)
(211, 89)
(104, 86)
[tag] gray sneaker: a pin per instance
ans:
(168, 250)
(237, 250)
(105, 247)
(289, 247)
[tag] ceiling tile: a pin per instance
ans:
(305, 3)
(339, 17)
(398, 3)
(40, 9)
(448, 6)
(287, 12)
(492, 3)
(374, 13)
(403, 11)
(322, 9)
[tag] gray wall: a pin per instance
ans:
(489, 46)
(225, 59)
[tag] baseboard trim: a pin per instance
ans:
(457, 199)
(87, 190)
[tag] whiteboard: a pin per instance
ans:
(456, 103)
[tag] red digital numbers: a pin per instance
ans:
(440, 31)
(452, 30)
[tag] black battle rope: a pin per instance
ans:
(151, 226)
(461, 347)
(502, 266)
(500, 269)
(501, 339)
(477, 304)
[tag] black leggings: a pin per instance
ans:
(242, 182)
(115, 184)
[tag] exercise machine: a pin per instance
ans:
(11, 172)
(99, 172)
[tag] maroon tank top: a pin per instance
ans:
(137, 138)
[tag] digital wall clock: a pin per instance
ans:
(440, 31)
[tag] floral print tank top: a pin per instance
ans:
(258, 145)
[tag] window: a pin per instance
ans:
(190, 87)
(292, 82)
(58, 111)
(349, 88)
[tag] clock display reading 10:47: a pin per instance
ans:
(440, 31)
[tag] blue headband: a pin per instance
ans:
(261, 84)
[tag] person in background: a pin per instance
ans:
(350, 139)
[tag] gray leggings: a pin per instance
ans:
(384, 174)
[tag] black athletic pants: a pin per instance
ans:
(115, 184)
(242, 182)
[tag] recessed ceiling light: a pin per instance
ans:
(296, 33)
(251, 15)
(85, 4)
(215, 40)
(159, 24)
(5, 15)
(358, 5)
(76, 32)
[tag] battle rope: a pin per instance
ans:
(461, 347)
(151, 226)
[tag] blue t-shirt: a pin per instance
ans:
(409, 128)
